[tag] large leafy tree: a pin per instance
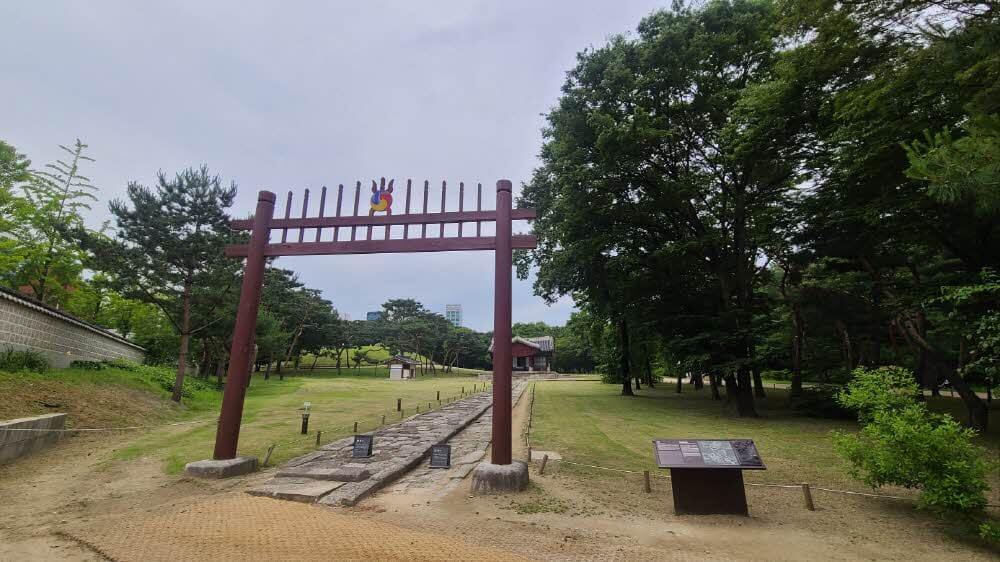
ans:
(41, 256)
(647, 164)
(849, 103)
(167, 250)
(15, 172)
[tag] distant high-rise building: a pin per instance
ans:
(344, 315)
(453, 312)
(374, 315)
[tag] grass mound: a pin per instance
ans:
(109, 397)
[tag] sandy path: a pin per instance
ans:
(73, 490)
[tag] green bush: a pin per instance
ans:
(821, 401)
(776, 375)
(881, 389)
(901, 443)
(23, 360)
(88, 365)
(123, 364)
(165, 377)
(990, 531)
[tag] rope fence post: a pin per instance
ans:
(318, 434)
(541, 469)
(646, 486)
(807, 496)
(270, 450)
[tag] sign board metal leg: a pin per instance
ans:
(707, 491)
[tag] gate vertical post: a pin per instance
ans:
(228, 433)
(502, 434)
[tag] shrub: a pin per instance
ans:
(23, 360)
(901, 443)
(164, 377)
(88, 365)
(123, 364)
(821, 401)
(777, 375)
(881, 389)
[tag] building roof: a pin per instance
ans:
(543, 343)
(402, 359)
(38, 305)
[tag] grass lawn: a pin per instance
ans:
(115, 398)
(375, 353)
(271, 414)
(591, 423)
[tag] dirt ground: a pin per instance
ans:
(72, 503)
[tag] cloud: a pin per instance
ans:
(287, 96)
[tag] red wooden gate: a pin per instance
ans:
(347, 232)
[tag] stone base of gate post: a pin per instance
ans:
(489, 478)
(211, 468)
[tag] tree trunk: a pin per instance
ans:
(315, 359)
(680, 383)
(978, 412)
(649, 372)
(744, 394)
(623, 360)
(205, 363)
(182, 356)
(758, 383)
(713, 380)
(699, 380)
(876, 327)
(797, 332)
(730, 380)
(220, 369)
(845, 344)
(267, 370)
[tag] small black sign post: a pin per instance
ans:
(362, 446)
(706, 475)
(441, 456)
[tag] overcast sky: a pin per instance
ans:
(295, 95)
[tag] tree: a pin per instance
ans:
(901, 443)
(14, 210)
(647, 159)
(49, 259)
(167, 250)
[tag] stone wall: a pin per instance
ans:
(24, 436)
(62, 338)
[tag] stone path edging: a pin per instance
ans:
(331, 477)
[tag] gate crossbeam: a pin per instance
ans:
(518, 241)
(264, 224)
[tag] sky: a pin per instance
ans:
(294, 95)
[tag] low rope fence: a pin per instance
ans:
(806, 488)
(386, 418)
(123, 428)
(362, 425)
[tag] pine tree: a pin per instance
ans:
(168, 251)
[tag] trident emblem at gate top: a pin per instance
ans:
(381, 198)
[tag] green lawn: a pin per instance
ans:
(375, 353)
(272, 415)
(591, 423)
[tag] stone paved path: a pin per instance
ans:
(331, 476)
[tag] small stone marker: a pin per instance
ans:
(362, 446)
(441, 456)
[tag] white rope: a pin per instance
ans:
(792, 486)
(130, 427)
